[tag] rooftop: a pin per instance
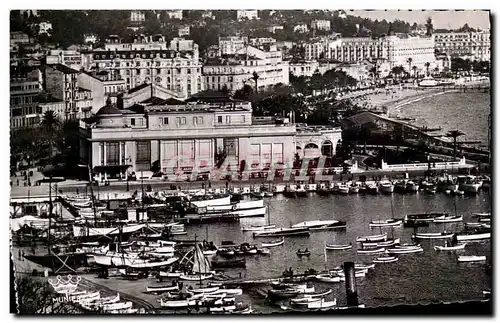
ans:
(65, 69)
(109, 109)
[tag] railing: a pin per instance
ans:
(438, 165)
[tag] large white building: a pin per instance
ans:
(475, 45)
(137, 16)
(247, 14)
(175, 14)
(234, 71)
(194, 137)
(302, 28)
(396, 50)
(150, 59)
(70, 58)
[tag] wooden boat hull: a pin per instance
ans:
(240, 263)
(471, 258)
(273, 244)
(450, 248)
(479, 236)
(59, 262)
(385, 260)
(338, 247)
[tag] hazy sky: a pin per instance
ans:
(441, 19)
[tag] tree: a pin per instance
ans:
(255, 77)
(427, 65)
(224, 89)
(50, 124)
(244, 93)
(414, 68)
(409, 61)
(429, 28)
(397, 70)
(454, 134)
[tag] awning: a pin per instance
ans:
(110, 168)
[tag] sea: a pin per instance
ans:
(467, 112)
(420, 278)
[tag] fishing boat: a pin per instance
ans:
(230, 263)
(175, 274)
(323, 191)
(342, 189)
(387, 243)
(201, 269)
(195, 277)
(161, 289)
(412, 187)
(203, 290)
(385, 260)
(446, 247)
(386, 223)
(354, 189)
(282, 293)
(404, 250)
(269, 244)
(322, 304)
(482, 214)
(338, 247)
(315, 224)
(280, 232)
(433, 235)
(328, 278)
(449, 219)
(370, 250)
(471, 258)
(424, 217)
(258, 227)
(301, 253)
(247, 309)
(473, 236)
(372, 238)
(372, 189)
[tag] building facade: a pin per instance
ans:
(306, 68)
(476, 45)
(232, 44)
(23, 93)
(137, 16)
(44, 27)
(320, 24)
(175, 66)
(301, 28)
(234, 71)
(185, 138)
(70, 58)
(273, 29)
(184, 31)
(256, 42)
(175, 14)
(247, 14)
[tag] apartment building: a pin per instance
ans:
(24, 89)
(175, 14)
(150, 59)
(474, 45)
(256, 42)
(302, 28)
(184, 31)
(234, 71)
(70, 58)
(137, 16)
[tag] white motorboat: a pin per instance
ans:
(177, 304)
(471, 258)
(412, 187)
(482, 215)
(373, 238)
(258, 227)
(403, 250)
(386, 187)
(342, 189)
(358, 273)
(175, 274)
(449, 219)
(327, 278)
(450, 248)
(268, 244)
(371, 250)
(230, 291)
(386, 223)
(338, 247)
(322, 304)
(354, 189)
(261, 211)
(385, 260)
(433, 235)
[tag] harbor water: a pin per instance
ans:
(425, 277)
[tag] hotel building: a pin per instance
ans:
(199, 135)
(232, 44)
(234, 71)
(248, 14)
(474, 45)
(149, 59)
(320, 24)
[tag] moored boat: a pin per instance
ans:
(338, 247)
(328, 278)
(158, 289)
(386, 223)
(386, 187)
(279, 232)
(385, 260)
(471, 258)
(268, 244)
(446, 247)
(322, 304)
(433, 235)
(258, 227)
(372, 238)
(370, 250)
(449, 219)
(404, 250)
(229, 263)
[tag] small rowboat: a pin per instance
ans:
(282, 293)
(385, 223)
(159, 289)
(449, 248)
(357, 267)
(176, 274)
(434, 235)
(374, 238)
(471, 258)
(449, 219)
(338, 246)
(327, 278)
(388, 243)
(177, 304)
(482, 214)
(301, 253)
(322, 304)
(404, 250)
(263, 251)
(195, 277)
(371, 251)
(204, 290)
(385, 260)
(273, 243)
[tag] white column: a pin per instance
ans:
(104, 153)
(120, 153)
(178, 153)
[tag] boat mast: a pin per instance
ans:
(50, 214)
(92, 197)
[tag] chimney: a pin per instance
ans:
(350, 284)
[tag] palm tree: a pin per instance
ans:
(414, 68)
(454, 134)
(409, 60)
(50, 123)
(255, 77)
(427, 65)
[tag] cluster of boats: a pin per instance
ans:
(301, 296)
